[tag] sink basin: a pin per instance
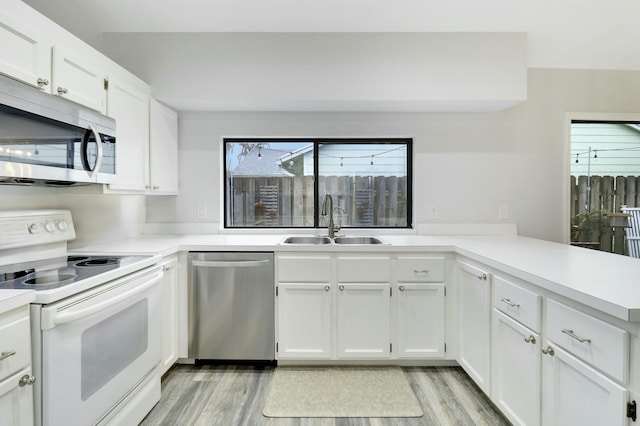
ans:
(357, 240)
(310, 239)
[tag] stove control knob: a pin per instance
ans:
(50, 227)
(34, 228)
(62, 225)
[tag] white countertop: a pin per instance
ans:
(603, 281)
(11, 299)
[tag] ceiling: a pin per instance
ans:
(588, 34)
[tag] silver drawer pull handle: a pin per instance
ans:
(327, 288)
(401, 288)
(530, 339)
(510, 303)
(341, 288)
(62, 90)
(548, 351)
(482, 277)
(26, 380)
(420, 271)
(6, 354)
(578, 338)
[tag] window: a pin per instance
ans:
(604, 183)
(281, 183)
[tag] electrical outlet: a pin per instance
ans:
(503, 211)
(433, 213)
(202, 212)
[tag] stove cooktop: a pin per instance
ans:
(59, 272)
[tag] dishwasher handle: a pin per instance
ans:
(229, 263)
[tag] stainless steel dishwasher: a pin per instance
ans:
(231, 306)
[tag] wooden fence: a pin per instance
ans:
(594, 206)
(359, 201)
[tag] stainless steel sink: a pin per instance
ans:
(357, 240)
(307, 239)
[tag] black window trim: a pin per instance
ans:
(316, 202)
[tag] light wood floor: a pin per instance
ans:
(235, 395)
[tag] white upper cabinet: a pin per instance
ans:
(163, 149)
(79, 77)
(25, 55)
(128, 103)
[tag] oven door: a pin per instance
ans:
(97, 346)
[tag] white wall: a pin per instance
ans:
(96, 217)
(466, 165)
(328, 71)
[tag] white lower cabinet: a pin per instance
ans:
(16, 380)
(170, 309)
(516, 376)
(420, 320)
(363, 313)
(304, 320)
(342, 307)
(16, 399)
(474, 316)
(576, 394)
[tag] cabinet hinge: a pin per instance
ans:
(445, 348)
(632, 409)
(106, 84)
(445, 292)
(276, 290)
(390, 292)
(390, 347)
(277, 347)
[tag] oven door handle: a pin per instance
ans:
(59, 318)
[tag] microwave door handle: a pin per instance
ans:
(58, 318)
(98, 164)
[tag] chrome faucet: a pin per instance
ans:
(332, 228)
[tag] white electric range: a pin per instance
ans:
(95, 322)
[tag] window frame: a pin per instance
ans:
(316, 142)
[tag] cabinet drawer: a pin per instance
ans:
(15, 339)
(602, 345)
(420, 269)
(517, 302)
(365, 269)
(304, 269)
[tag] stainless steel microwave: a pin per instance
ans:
(48, 140)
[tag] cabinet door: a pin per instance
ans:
(304, 321)
(516, 370)
(24, 55)
(169, 315)
(420, 320)
(79, 78)
(16, 400)
(474, 289)
(163, 149)
(363, 321)
(129, 105)
(576, 394)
